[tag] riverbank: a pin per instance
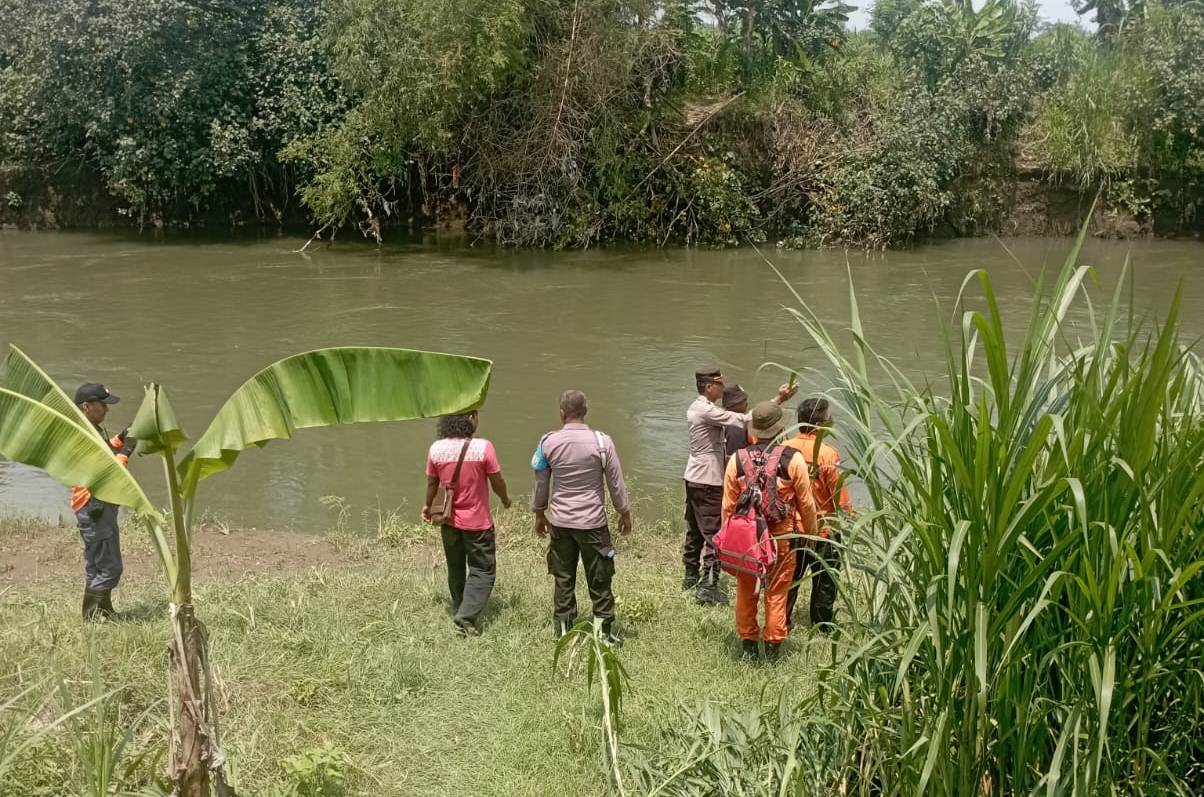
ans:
(1034, 204)
(339, 650)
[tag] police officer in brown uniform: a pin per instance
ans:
(574, 467)
(97, 520)
(707, 425)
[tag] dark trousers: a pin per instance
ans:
(822, 560)
(471, 571)
(593, 547)
(98, 530)
(704, 516)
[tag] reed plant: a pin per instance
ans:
(587, 646)
(1027, 607)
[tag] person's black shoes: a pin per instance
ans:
(690, 581)
(773, 652)
(97, 605)
(610, 635)
(749, 650)
(826, 629)
(710, 593)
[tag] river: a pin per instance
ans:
(627, 326)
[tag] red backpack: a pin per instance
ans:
(744, 544)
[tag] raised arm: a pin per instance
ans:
(784, 393)
(716, 416)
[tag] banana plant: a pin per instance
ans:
(40, 426)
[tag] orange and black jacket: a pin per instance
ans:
(827, 480)
(80, 496)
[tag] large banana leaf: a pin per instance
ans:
(328, 387)
(22, 375)
(34, 434)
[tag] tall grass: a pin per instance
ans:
(100, 735)
(91, 726)
(1092, 128)
(1033, 615)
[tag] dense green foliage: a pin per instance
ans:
(549, 122)
(1028, 617)
(167, 101)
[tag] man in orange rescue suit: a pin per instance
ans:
(821, 557)
(793, 484)
(98, 519)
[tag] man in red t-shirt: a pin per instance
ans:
(468, 538)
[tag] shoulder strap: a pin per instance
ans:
(601, 447)
(744, 459)
(775, 461)
(773, 457)
(455, 479)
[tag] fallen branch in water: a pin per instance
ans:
(316, 236)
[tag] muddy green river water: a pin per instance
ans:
(627, 326)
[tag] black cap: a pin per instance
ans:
(708, 374)
(91, 391)
(733, 394)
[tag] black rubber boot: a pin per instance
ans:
(690, 581)
(93, 608)
(773, 652)
(106, 603)
(610, 634)
(710, 591)
(749, 650)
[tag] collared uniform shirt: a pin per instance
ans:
(706, 424)
(574, 468)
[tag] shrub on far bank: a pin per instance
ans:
(570, 124)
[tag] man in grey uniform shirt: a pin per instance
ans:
(574, 467)
(707, 426)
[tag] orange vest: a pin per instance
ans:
(831, 493)
(80, 496)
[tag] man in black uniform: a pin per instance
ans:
(97, 519)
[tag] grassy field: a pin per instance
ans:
(352, 661)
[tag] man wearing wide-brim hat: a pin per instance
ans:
(784, 471)
(97, 520)
(707, 423)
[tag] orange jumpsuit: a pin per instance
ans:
(794, 488)
(830, 491)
